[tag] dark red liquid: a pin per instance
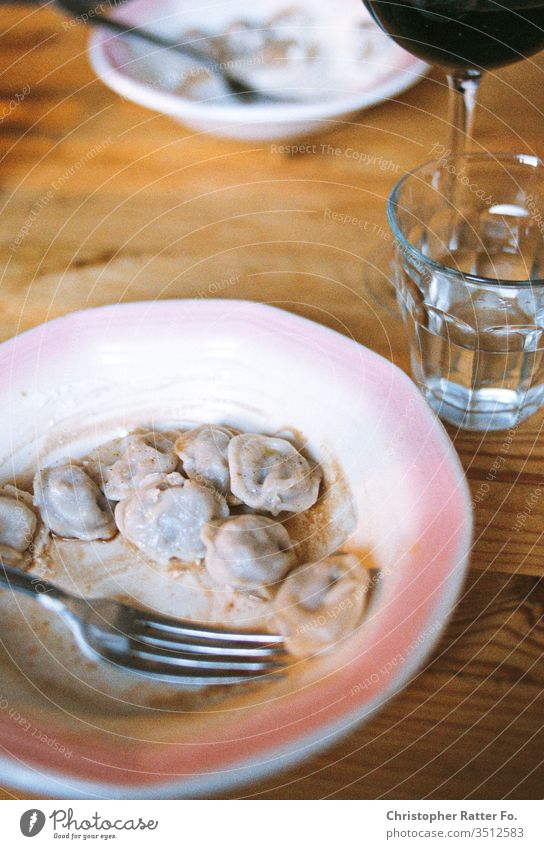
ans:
(469, 34)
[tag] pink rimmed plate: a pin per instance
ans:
(266, 369)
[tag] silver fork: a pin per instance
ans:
(144, 642)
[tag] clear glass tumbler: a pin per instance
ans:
(469, 275)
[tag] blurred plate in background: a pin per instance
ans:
(320, 62)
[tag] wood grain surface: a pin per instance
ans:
(103, 201)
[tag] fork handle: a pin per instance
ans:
(33, 585)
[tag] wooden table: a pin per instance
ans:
(117, 203)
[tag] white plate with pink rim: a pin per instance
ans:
(256, 367)
(348, 65)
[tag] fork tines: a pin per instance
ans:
(185, 652)
(189, 629)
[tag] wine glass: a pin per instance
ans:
(466, 37)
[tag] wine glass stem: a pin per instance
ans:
(463, 87)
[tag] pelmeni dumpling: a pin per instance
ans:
(320, 603)
(145, 454)
(18, 524)
(248, 552)
(164, 516)
(268, 473)
(204, 455)
(71, 504)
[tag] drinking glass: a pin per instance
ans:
(465, 37)
(469, 276)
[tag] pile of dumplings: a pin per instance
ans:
(209, 495)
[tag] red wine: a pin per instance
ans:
(463, 33)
